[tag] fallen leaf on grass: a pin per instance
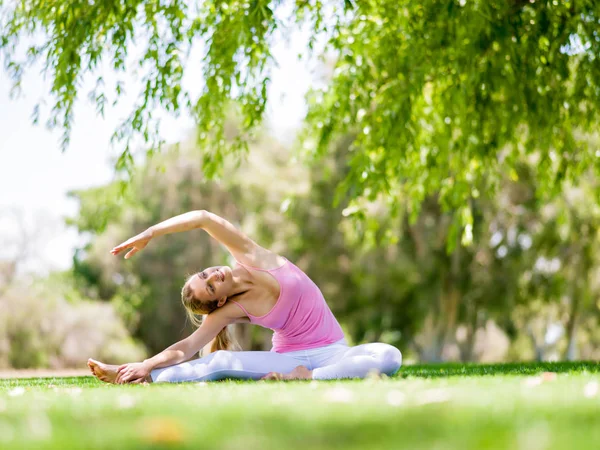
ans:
(163, 430)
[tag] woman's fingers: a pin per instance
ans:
(135, 243)
(130, 377)
(121, 375)
(132, 252)
(117, 250)
(122, 246)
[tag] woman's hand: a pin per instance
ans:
(136, 244)
(132, 373)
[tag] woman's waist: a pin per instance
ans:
(283, 343)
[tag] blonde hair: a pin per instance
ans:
(195, 308)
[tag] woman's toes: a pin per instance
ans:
(272, 376)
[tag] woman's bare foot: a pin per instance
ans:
(299, 373)
(104, 372)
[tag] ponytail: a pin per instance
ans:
(224, 341)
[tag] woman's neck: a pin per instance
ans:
(243, 281)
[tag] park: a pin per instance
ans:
(299, 224)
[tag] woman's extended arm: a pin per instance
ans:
(183, 350)
(239, 245)
(186, 348)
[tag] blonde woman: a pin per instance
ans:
(264, 289)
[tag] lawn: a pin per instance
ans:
(519, 406)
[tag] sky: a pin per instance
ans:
(35, 175)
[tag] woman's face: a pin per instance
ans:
(213, 283)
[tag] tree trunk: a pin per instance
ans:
(450, 299)
(450, 315)
(468, 347)
(581, 268)
(538, 349)
(428, 342)
(571, 352)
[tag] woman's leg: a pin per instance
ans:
(225, 364)
(358, 361)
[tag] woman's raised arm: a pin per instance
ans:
(239, 245)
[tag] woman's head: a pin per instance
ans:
(203, 293)
(207, 290)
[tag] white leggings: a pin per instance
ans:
(329, 362)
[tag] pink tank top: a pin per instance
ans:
(301, 318)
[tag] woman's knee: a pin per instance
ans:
(391, 359)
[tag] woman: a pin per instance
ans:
(264, 289)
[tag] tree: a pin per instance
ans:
(441, 95)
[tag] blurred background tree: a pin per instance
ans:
(447, 202)
(440, 96)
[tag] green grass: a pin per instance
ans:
(424, 407)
